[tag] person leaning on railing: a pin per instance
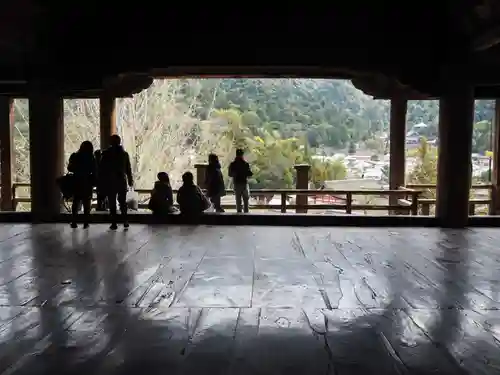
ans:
(239, 171)
(83, 166)
(214, 182)
(115, 174)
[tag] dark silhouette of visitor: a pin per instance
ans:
(214, 181)
(191, 199)
(239, 170)
(162, 198)
(101, 194)
(115, 173)
(83, 166)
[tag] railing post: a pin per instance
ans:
(426, 209)
(495, 175)
(201, 169)
(491, 206)
(472, 208)
(348, 208)
(414, 203)
(14, 199)
(302, 183)
(283, 203)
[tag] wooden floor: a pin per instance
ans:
(248, 300)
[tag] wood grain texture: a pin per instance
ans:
(248, 300)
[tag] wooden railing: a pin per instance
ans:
(425, 204)
(409, 199)
(407, 202)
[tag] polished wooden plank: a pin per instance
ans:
(248, 300)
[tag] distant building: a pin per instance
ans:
(418, 130)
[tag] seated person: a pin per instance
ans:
(191, 199)
(162, 199)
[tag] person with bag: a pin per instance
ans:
(116, 174)
(239, 171)
(214, 181)
(132, 199)
(192, 201)
(162, 197)
(82, 165)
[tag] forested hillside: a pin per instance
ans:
(177, 122)
(329, 112)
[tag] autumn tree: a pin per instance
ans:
(425, 171)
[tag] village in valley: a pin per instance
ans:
(368, 169)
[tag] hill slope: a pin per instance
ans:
(328, 112)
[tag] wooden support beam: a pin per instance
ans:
(456, 114)
(6, 152)
(397, 134)
(107, 125)
(46, 132)
(302, 182)
(495, 175)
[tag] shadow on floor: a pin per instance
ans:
(57, 337)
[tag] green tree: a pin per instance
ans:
(234, 130)
(322, 171)
(425, 172)
(375, 145)
(481, 137)
(251, 119)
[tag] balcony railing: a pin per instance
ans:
(410, 200)
(425, 205)
(345, 199)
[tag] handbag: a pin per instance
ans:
(132, 200)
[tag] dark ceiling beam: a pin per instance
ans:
(384, 87)
(260, 71)
(119, 86)
(480, 93)
(487, 40)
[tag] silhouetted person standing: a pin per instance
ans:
(240, 171)
(214, 181)
(115, 175)
(83, 166)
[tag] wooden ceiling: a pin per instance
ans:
(394, 48)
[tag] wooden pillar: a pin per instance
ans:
(456, 115)
(397, 134)
(46, 132)
(107, 125)
(495, 175)
(302, 183)
(6, 152)
(201, 170)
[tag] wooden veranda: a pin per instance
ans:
(385, 51)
